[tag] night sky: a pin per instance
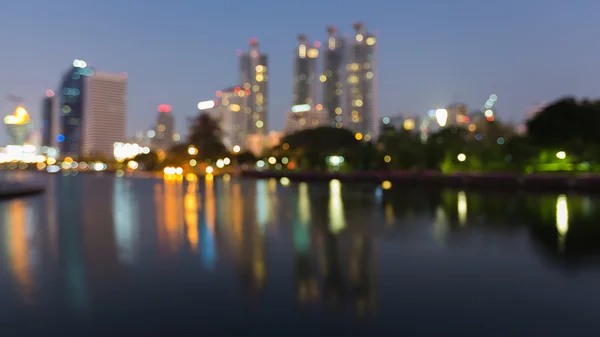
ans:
(431, 52)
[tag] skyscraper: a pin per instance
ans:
(254, 77)
(71, 108)
(104, 118)
(48, 117)
(164, 130)
(93, 107)
(333, 76)
(234, 116)
(305, 73)
(361, 98)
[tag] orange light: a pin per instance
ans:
(319, 107)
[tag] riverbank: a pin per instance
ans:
(499, 181)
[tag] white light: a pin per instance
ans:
(179, 171)
(133, 165)
(209, 170)
(151, 134)
(260, 163)
(236, 149)
(226, 161)
(220, 163)
(79, 64)
(301, 108)
(461, 157)
(146, 150)
(561, 155)
(441, 115)
(52, 168)
(206, 105)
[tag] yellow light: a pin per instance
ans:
(322, 78)
(370, 41)
(409, 124)
(192, 150)
(133, 165)
(461, 157)
(259, 78)
(313, 53)
(193, 162)
(359, 37)
(209, 177)
(561, 155)
(236, 148)
(41, 166)
(259, 124)
(68, 160)
(19, 117)
(191, 177)
(226, 177)
(358, 136)
(259, 68)
(272, 160)
(386, 185)
(209, 170)
(367, 137)
(51, 161)
(284, 181)
(285, 146)
(472, 127)
(387, 159)
(234, 107)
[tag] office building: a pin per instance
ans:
(233, 115)
(302, 117)
(305, 73)
(92, 111)
(162, 135)
(254, 76)
(333, 77)
(104, 119)
(49, 127)
(361, 83)
(71, 107)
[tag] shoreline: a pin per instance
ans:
(493, 181)
(16, 190)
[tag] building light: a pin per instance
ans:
(300, 108)
(206, 105)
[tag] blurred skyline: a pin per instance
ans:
(430, 53)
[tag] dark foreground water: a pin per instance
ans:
(105, 256)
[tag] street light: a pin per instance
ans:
(192, 150)
(236, 149)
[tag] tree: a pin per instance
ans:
(206, 135)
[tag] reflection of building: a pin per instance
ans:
(162, 137)
(93, 111)
(48, 117)
(254, 77)
(361, 95)
(332, 77)
(305, 117)
(305, 73)
(19, 126)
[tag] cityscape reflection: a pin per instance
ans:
(333, 253)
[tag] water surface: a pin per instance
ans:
(105, 256)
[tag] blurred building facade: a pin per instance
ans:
(305, 73)
(361, 82)
(333, 76)
(162, 135)
(254, 76)
(49, 117)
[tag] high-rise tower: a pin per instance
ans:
(48, 117)
(254, 77)
(361, 83)
(333, 76)
(165, 128)
(305, 73)
(92, 111)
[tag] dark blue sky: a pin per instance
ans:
(430, 52)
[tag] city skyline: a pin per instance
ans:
(422, 66)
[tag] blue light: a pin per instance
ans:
(60, 138)
(386, 120)
(478, 136)
(500, 141)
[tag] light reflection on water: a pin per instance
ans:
(105, 244)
